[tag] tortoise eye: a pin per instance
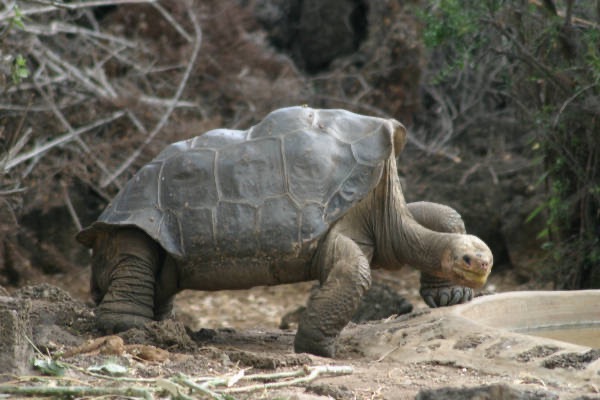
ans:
(467, 259)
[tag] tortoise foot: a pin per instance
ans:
(111, 322)
(314, 344)
(445, 296)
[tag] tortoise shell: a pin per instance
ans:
(272, 190)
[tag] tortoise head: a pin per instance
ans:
(467, 261)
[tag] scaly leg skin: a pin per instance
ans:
(164, 309)
(331, 307)
(123, 274)
(166, 287)
(437, 292)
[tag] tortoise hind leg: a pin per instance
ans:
(345, 278)
(124, 268)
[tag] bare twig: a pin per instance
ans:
(300, 376)
(44, 53)
(26, 86)
(428, 149)
(57, 27)
(53, 6)
(304, 375)
(493, 174)
(173, 22)
(165, 117)
(8, 192)
(469, 172)
(71, 209)
(16, 148)
(571, 19)
(155, 101)
(79, 391)
(526, 55)
(61, 140)
(200, 388)
(569, 100)
(68, 127)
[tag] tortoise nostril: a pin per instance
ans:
(467, 259)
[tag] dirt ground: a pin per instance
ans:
(230, 336)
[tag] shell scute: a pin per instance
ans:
(369, 149)
(347, 126)
(197, 232)
(218, 138)
(189, 180)
(236, 229)
(282, 121)
(313, 223)
(251, 171)
(316, 164)
(357, 184)
(141, 192)
(279, 226)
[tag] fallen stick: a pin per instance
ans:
(304, 375)
(64, 391)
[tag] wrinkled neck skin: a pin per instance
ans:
(398, 239)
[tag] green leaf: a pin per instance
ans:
(545, 233)
(49, 366)
(535, 212)
(18, 18)
(19, 69)
(108, 368)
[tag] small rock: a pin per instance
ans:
(487, 392)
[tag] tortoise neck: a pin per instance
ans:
(400, 240)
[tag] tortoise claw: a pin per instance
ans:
(446, 296)
(429, 300)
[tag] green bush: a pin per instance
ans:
(549, 53)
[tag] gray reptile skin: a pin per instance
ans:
(304, 195)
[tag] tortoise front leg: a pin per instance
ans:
(124, 267)
(345, 278)
(165, 288)
(437, 292)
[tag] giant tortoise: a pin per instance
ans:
(305, 194)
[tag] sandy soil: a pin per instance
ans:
(230, 333)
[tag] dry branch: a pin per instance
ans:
(86, 71)
(59, 27)
(63, 391)
(174, 23)
(305, 375)
(39, 150)
(173, 103)
(52, 6)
